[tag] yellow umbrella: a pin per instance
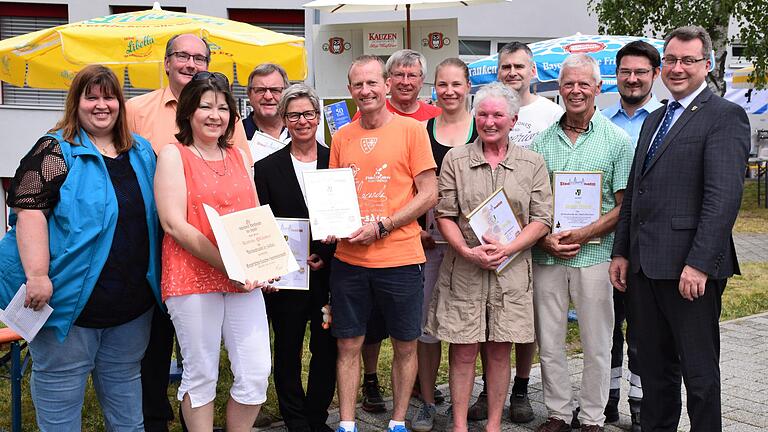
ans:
(50, 58)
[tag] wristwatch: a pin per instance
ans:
(383, 232)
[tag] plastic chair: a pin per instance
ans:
(9, 337)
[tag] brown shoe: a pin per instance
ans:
(554, 424)
(591, 428)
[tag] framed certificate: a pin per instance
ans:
(332, 202)
(296, 233)
(251, 244)
(578, 198)
(494, 217)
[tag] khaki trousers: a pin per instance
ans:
(592, 294)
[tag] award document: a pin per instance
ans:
(577, 198)
(251, 244)
(332, 202)
(263, 145)
(494, 217)
(296, 233)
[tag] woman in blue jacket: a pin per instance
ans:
(85, 239)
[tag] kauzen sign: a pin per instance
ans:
(382, 40)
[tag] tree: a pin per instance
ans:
(656, 18)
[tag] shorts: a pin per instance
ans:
(356, 292)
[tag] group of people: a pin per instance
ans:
(108, 228)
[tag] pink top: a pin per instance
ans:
(183, 273)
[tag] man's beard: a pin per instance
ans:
(633, 100)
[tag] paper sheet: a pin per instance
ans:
(24, 321)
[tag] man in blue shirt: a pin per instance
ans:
(637, 66)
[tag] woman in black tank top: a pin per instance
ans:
(453, 127)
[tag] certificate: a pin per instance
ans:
(494, 217)
(577, 199)
(332, 202)
(296, 233)
(263, 145)
(251, 244)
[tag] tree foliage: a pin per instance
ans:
(656, 18)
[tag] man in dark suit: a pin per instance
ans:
(279, 183)
(673, 245)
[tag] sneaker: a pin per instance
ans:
(520, 410)
(439, 396)
(424, 419)
(554, 425)
(575, 423)
(341, 429)
(398, 428)
(591, 428)
(373, 402)
(479, 410)
(634, 410)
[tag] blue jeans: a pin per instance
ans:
(112, 356)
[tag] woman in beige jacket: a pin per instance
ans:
(472, 305)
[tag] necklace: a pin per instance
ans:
(220, 174)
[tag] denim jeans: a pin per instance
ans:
(112, 356)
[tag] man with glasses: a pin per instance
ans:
(153, 116)
(572, 265)
(637, 66)
(673, 250)
(265, 88)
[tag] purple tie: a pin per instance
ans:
(671, 108)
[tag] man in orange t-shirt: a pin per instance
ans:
(381, 262)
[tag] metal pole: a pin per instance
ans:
(15, 387)
(408, 26)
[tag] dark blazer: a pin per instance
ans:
(277, 185)
(682, 209)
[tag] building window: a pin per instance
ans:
(468, 47)
(21, 18)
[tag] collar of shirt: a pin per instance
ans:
(168, 97)
(651, 105)
(594, 122)
(250, 128)
(688, 99)
(477, 157)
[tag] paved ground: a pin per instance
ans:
(751, 247)
(744, 359)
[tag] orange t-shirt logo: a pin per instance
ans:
(367, 144)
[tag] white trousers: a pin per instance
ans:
(200, 321)
(592, 294)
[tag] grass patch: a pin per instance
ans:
(751, 218)
(746, 294)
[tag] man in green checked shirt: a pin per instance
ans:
(569, 268)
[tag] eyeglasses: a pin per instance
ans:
(308, 116)
(671, 61)
(261, 91)
(401, 76)
(184, 57)
(640, 73)
(219, 77)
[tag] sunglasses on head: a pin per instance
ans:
(216, 76)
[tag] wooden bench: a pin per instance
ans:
(16, 344)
